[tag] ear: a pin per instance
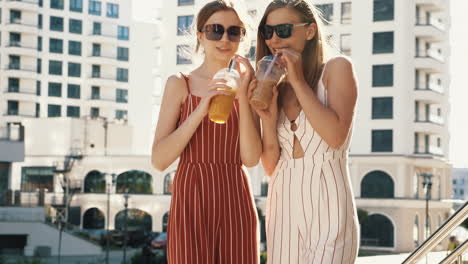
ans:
(311, 31)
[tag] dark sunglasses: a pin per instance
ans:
(282, 31)
(216, 32)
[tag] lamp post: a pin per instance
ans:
(427, 185)
(110, 182)
(125, 226)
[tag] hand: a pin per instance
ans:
(245, 76)
(293, 61)
(214, 89)
(270, 114)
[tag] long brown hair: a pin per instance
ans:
(313, 56)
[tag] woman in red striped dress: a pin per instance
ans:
(212, 217)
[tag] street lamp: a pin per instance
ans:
(125, 226)
(427, 185)
(110, 182)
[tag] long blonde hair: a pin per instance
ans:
(314, 54)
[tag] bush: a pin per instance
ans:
(263, 257)
(138, 258)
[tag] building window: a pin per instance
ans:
(121, 96)
(73, 111)
(112, 10)
(74, 91)
(96, 28)
(55, 89)
(54, 110)
(74, 48)
(34, 178)
(382, 75)
(122, 33)
(94, 8)
(346, 16)
(95, 71)
(182, 55)
(55, 67)
(382, 108)
(13, 85)
(96, 50)
(183, 24)
(382, 42)
(121, 114)
(39, 43)
(95, 92)
(55, 45)
(185, 2)
(15, 39)
(14, 62)
(382, 140)
(76, 5)
(38, 110)
(327, 12)
(13, 108)
(122, 54)
(94, 112)
(39, 66)
(74, 69)
(345, 44)
(15, 17)
(39, 21)
(56, 23)
(383, 10)
(122, 75)
(75, 26)
(377, 184)
(56, 4)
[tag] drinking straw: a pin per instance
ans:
(271, 65)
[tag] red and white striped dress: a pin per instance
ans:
(212, 217)
(311, 214)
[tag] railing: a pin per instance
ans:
(429, 150)
(431, 86)
(422, 21)
(454, 221)
(19, 90)
(35, 2)
(18, 44)
(20, 67)
(430, 53)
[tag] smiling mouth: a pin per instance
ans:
(223, 49)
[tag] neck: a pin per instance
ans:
(210, 67)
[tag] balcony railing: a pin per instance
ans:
(430, 53)
(422, 21)
(12, 133)
(432, 150)
(19, 67)
(34, 2)
(17, 21)
(431, 86)
(20, 90)
(431, 118)
(18, 44)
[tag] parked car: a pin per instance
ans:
(160, 242)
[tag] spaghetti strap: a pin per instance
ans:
(186, 82)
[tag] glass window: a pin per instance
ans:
(76, 5)
(15, 39)
(73, 111)
(74, 48)
(122, 75)
(14, 62)
(15, 17)
(74, 91)
(96, 28)
(39, 21)
(75, 26)
(55, 45)
(39, 66)
(121, 114)
(377, 184)
(13, 108)
(383, 10)
(74, 69)
(94, 112)
(382, 108)
(182, 54)
(122, 54)
(13, 85)
(55, 89)
(54, 110)
(96, 71)
(345, 44)
(382, 42)
(55, 67)
(33, 178)
(39, 43)
(346, 13)
(183, 24)
(96, 49)
(56, 23)
(382, 75)
(327, 12)
(112, 10)
(382, 140)
(122, 33)
(185, 2)
(56, 4)
(94, 8)
(121, 96)
(95, 92)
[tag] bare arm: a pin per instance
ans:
(170, 140)
(332, 123)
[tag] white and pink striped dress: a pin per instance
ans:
(311, 213)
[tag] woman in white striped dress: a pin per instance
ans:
(311, 214)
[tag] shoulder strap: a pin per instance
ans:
(186, 78)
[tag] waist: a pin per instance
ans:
(219, 163)
(319, 157)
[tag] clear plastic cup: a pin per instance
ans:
(269, 73)
(221, 105)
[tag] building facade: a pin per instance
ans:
(460, 184)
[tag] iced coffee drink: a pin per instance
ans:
(269, 73)
(221, 105)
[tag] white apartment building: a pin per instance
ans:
(400, 49)
(460, 184)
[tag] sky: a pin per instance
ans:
(458, 119)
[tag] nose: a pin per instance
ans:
(225, 36)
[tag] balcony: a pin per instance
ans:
(21, 71)
(104, 38)
(431, 118)
(20, 94)
(431, 5)
(434, 32)
(428, 150)
(27, 5)
(107, 59)
(25, 49)
(17, 25)
(430, 61)
(430, 125)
